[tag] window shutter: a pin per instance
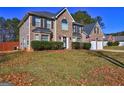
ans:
(45, 21)
(41, 22)
(52, 24)
(33, 20)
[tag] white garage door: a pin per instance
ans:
(121, 43)
(96, 45)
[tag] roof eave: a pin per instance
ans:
(62, 12)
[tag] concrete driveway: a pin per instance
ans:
(110, 50)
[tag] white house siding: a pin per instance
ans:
(24, 34)
(121, 43)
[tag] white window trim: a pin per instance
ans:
(38, 36)
(45, 35)
(62, 25)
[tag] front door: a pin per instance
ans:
(64, 42)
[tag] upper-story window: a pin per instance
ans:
(74, 30)
(37, 22)
(78, 29)
(48, 22)
(96, 30)
(64, 24)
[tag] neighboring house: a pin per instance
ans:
(115, 38)
(61, 26)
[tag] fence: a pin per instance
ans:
(8, 46)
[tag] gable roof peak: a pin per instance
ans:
(88, 28)
(61, 11)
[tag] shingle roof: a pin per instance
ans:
(88, 28)
(76, 34)
(76, 23)
(43, 14)
(41, 30)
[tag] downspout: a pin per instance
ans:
(29, 32)
(55, 31)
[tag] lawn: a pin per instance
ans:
(74, 67)
(114, 47)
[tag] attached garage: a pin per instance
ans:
(96, 45)
(121, 43)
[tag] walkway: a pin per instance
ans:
(5, 52)
(110, 50)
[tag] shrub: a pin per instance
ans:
(79, 45)
(36, 45)
(109, 43)
(75, 45)
(116, 43)
(46, 45)
(87, 46)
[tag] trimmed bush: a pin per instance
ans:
(109, 43)
(116, 43)
(75, 45)
(87, 46)
(36, 45)
(79, 45)
(46, 45)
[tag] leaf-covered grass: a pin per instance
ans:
(74, 67)
(114, 47)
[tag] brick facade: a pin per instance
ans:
(60, 33)
(96, 35)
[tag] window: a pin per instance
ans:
(78, 39)
(96, 30)
(74, 30)
(37, 22)
(44, 38)
(78, 29)
(48, 24)
(37, 37)
(64, 24)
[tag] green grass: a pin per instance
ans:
(75, 67)
(114, 47)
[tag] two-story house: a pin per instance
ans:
(47, 26)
